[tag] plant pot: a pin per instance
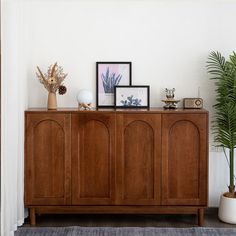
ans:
(52, 101)
(227, 210)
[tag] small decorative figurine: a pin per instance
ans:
(84, 99)
(170, 102)
(170, 93)
(52, 81)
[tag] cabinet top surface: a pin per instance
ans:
(113, 110)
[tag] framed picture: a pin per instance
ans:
(109, 75)
(132, 96)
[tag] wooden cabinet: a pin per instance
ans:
(93, 159)
(138, 161)
(184, 155)
(47, 162)
(116, 161)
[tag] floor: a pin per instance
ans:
(211, 220)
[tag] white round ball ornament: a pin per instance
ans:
(85, 98)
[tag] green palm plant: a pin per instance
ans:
(224, 125)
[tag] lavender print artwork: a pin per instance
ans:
(109, 75)
(110, 80)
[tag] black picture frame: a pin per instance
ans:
(136, 101)
(124, 70)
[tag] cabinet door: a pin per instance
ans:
(47, 161)
(138, 159)
(184, 158)
(93, 158)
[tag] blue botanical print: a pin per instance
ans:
(110, 80)
(131, 101)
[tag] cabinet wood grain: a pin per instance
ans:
(138, 159)
(116, 161)
(47, 162)
(93, 156)
(184, 155)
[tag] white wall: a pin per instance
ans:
(167, 41)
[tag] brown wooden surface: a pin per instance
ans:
(32, 216)
(47, 161)
(116, 161)
(184, 155)
(145, 209)
(138, 166)
(201, 217)
(93, 156)
(113, 110)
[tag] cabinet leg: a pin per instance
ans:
(32, 217)
(200, 217)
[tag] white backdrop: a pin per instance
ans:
(167, 41)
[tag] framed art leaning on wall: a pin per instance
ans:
(109, 75)
(132, 96)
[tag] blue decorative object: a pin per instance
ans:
(131, 101)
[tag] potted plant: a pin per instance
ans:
(224, 125)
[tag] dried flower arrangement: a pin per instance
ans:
(52, 81)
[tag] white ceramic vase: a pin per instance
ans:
(227, 210)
